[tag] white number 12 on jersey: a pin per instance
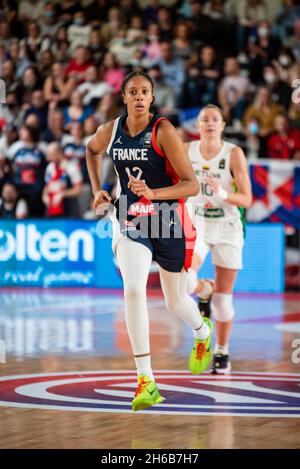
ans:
(135, 169)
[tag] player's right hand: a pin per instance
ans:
(102, 200)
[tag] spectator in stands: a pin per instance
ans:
(6, 36)
(164, 94)
(57, 86)
(97, 46)
(97, 9)
(264, 109)
(56, 125)
(11, 205)
(136, 31)
(111, 72)
(29, 168)
(253, 141)
(113, 24)
(10, 112)
(202, 27)
(210, 72)
(8, 74)
(284, 65)
(50, 23)
(78, 65)
(165, 23)
(19, 58)
(151, 45)
(33, 42)
(76, 111)
(122, 48)
(45, 63)
(75, 150)
(223, 25)
(60, 47)
(9, 136)
(262, 50)
(172, 68)
(293, 42)
(31, 81)
(30, 9)
(66, 10)
(284, 142)
(40, 108)
(63, 184)
(78, 32)
(285, 18)
(183, 47)
(32, 120)
(129, 9)
(249, 13)
(279, 90)
(233, 90)
(150, 11)
(92, 89)
(5, 171)
(192, 89)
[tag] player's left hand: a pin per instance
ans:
(140, 188)
(216, 188)
(213, 184)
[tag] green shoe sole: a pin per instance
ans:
(141, 405)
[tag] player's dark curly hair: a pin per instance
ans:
(138, 73)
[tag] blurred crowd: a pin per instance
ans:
(63, 64)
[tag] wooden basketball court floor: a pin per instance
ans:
(68, 377)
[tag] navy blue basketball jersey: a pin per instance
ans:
(140, 157)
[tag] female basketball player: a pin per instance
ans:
(151, 222)
(221, 169)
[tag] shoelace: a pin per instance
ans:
(200, 350)
(141, 387)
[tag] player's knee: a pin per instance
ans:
(192, 281)
(133, 292)
(222, 307)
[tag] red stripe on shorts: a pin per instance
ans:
(189, 233)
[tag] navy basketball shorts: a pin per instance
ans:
(169, 235)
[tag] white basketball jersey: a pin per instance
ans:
(206, 204)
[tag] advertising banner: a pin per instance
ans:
(76, 253)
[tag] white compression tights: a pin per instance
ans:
(134, 261)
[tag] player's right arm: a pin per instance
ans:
(94, 150)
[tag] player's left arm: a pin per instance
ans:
(239, 169)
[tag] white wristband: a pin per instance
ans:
(222, 194)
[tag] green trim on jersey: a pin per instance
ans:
(241, 210)
(209, 212)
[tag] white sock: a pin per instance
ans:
(221, 349)
(143, 366)
(202, 333)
